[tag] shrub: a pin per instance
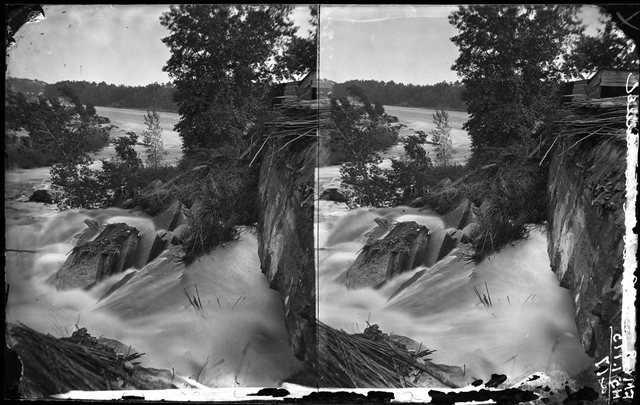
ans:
(27, 158)
(226, 191)
(516, 199)
(227, 198)
(367, 185)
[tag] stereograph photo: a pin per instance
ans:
(371, 203)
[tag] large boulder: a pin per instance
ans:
(456, 235)
(150, 246)
(332, 194)
(112, 252)
(93, 229)
(103, 120)
(403, 249)
(172, 217)
(180, 232)
(440, 244)
(468, 231)
(461, 216)
(41, 196)
(384, 226)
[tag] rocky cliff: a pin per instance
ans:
(586, 227)
(285, 236)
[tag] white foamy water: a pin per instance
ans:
(236, 339)
(529, 326)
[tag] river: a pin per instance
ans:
(530, 327)
(133, 120)
(422, 119)
(237, 339)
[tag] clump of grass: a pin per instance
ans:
(226, 189)
(484, 299)
(516, 198)
(195, 302)
(227, 197)
(153, 201)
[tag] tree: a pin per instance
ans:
(511, 61)
(222, 64)
(609, 49)
(302, 53)
(378, 108)
(72, 174)
(119, 174)
(361, 143)
(70, 94)
(441, 136)
(90, 109)
(152, 139)
(357, 92)
(413, 147)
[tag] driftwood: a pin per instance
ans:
(585, 118)
(355, 361)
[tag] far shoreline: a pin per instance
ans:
(425, 108)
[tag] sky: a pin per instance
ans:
(406, 44)
(403, 43)
(121, 44)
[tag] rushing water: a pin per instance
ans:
(529, 327)
(236, 339)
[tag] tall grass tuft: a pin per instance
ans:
(226, 191)
(227, 199)
(516, 199)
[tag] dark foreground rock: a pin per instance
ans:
(41, 196)
(103, 120)
(149, 247)
(172, 217)
(406, 246)
(403, 249)
(384, 226)
(461, 216)
(332, 194)
(440, 244)
(112, 252)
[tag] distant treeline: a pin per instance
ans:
(441, 95)
(152, 96)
